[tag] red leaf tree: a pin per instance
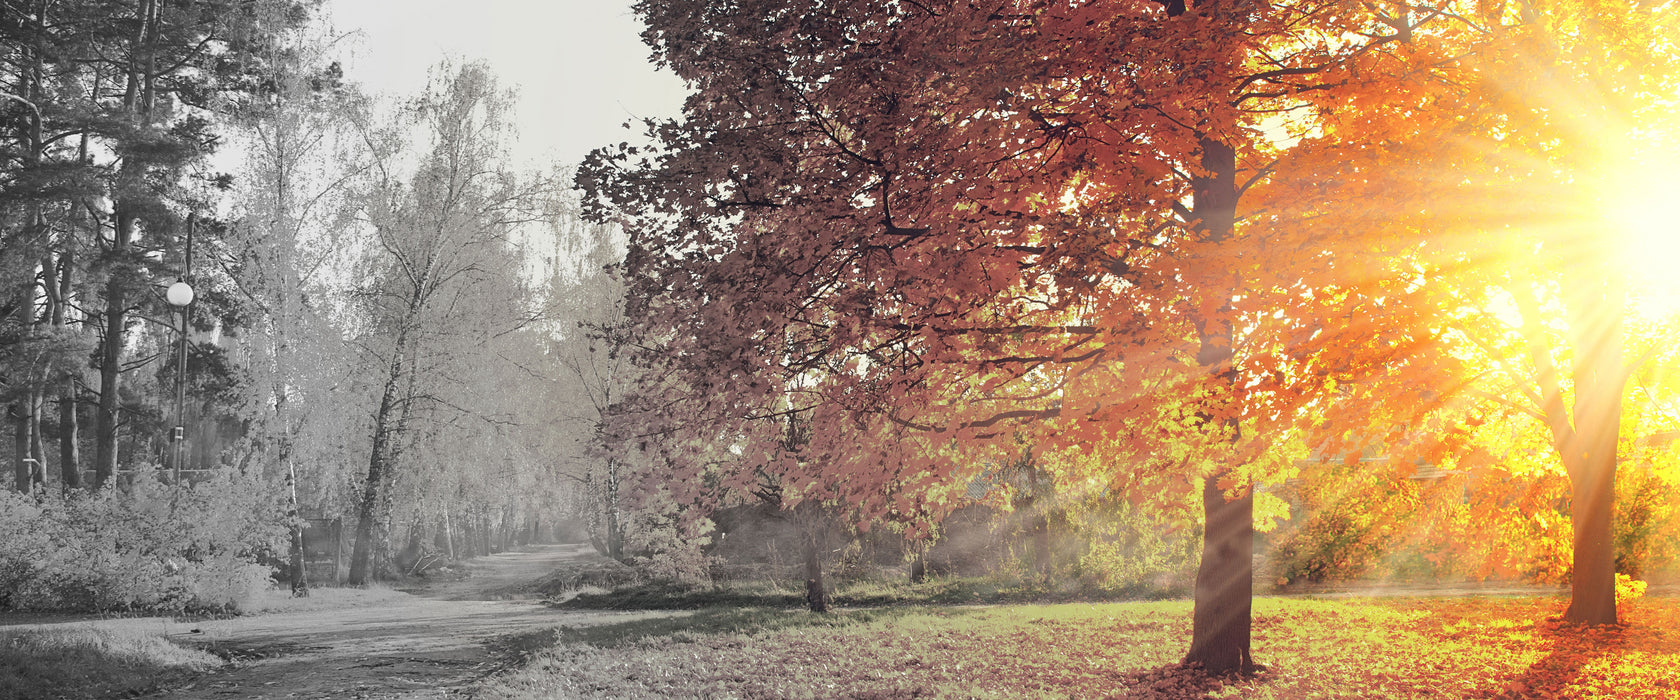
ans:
(929, 231)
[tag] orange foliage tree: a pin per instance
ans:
(1522, 197)
(923, 232)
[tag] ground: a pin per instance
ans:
(434, 641)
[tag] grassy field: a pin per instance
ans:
(1372, 648)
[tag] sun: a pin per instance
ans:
(1645, 211)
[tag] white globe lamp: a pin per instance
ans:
(179, 294)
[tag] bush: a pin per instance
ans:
(152, 547)
(1129, 546)
(666, 547)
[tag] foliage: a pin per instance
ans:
(1647, 524)
(1319, 649)
(1366, 521)
(150, 547)
(666, 547)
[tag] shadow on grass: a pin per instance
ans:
(1647, 631)
(719, 621)
(1570, 648)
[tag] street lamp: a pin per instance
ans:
(180, 295)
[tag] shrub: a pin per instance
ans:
(667, 547)
(152, 547)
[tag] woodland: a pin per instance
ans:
(1212, 297)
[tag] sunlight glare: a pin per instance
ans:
(1644, 210)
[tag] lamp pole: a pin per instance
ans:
(180, 295)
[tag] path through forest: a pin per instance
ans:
(434, 644)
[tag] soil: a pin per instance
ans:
(436, 640)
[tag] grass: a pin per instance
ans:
(1371, 648)
(79, 662)
(863, 593)
(54, 658)
(280, 600)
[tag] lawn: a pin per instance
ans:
(1478, 647)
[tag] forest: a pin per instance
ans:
(1205, 298)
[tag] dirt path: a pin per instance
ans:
(436, 644)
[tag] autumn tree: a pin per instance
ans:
(930, 230)
(1555, 132)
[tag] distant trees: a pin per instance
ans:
(444, 250)
(359, 302)
(587, 366)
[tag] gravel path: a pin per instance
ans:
(436, 643)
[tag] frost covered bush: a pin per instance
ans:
(149, 547)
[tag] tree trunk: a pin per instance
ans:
(816, 594)
(20, 448)
(69, 435)
(1221, 624)
(1219, 638)
(300, 575)
(615, 527)
(37, 448)
(137, 106)
(58, 284)
(448, 533)
(1589, 451)
(367, 511)
(110, 373)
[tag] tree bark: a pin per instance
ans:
(1220, 630)
(816, 594)
(110, 365)
(58, 284)
(20, 448)
(1589, 450)
(1219, 638)
(37, 448)
(384, 434)
(69, 434)
(300, 574)
(137, 102)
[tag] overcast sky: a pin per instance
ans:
(579, 65)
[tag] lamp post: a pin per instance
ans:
(180, 295)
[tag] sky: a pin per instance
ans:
(579, 65)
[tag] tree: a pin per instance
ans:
(910, 222)
(282, 248)
(1548, 106)
(440, 233)
(587, 364)
(115, 102)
